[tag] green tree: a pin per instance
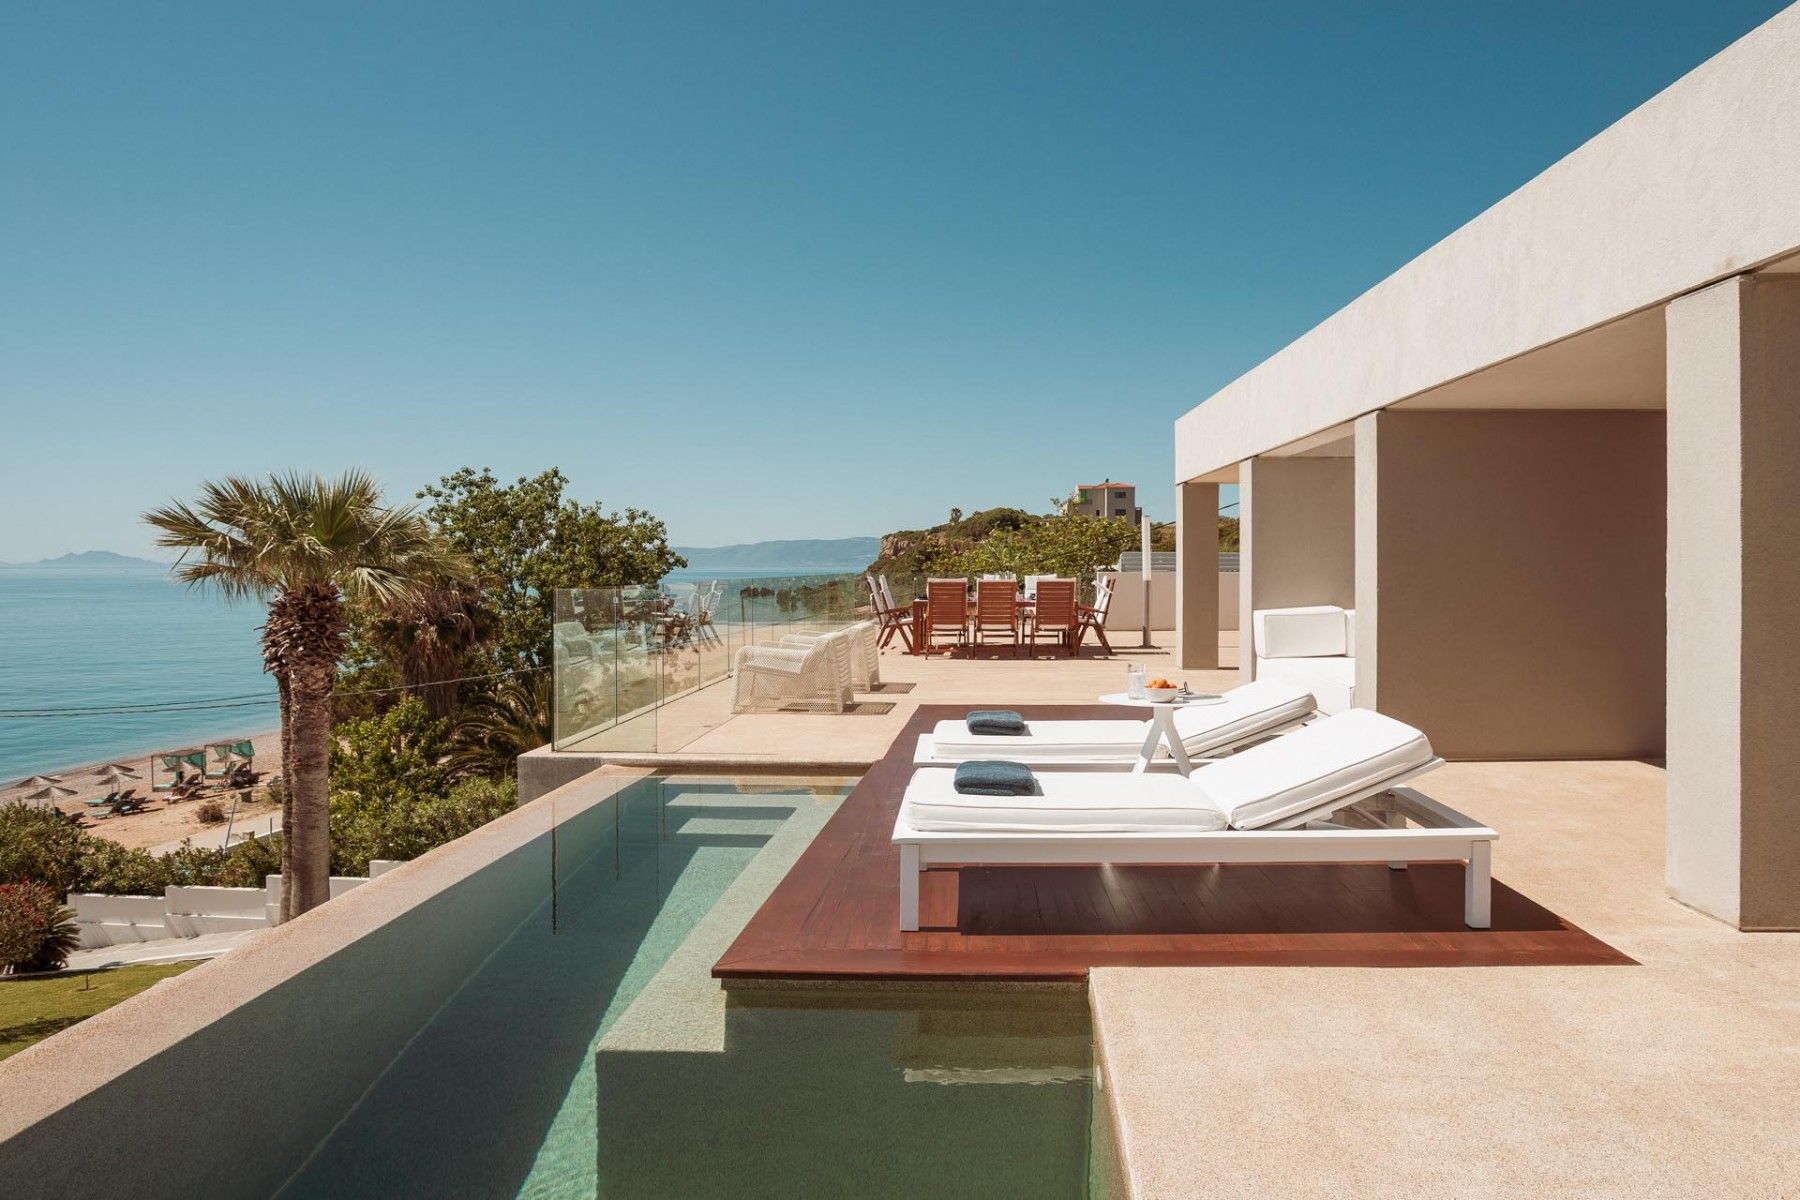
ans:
(304, 543)
(397, 755)
(526, 539)
(429, 639)
(1072, 546)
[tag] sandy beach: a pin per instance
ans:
(164, 821)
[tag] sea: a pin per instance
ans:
(88, 656)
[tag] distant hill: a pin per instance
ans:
(89, 560)
(816, 554)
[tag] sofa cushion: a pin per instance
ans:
(1300, 632)
(1310, 767)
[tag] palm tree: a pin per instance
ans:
(496, 728)
(304, 543)
(431, 633)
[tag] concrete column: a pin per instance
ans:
(1296, 533)
(1509, 570)
(1367, 489)
(1197, 576)
(1733, 833)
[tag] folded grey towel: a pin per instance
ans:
(995, 720)
(992, 777)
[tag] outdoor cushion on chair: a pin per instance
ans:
(1244, 712)
(1310, 767)
(1065, 803)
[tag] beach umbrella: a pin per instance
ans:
(38, 781)
(50, 794)
(111, 771)
(113, 779)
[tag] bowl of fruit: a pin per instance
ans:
(1160, 690)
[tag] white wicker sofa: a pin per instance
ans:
(777, 676)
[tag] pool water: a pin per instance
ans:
(592, 1054)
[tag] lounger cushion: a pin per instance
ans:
(1083, 803)
(1262, 704)
(1331, 680)
(1046, 741)
(1268, 784)
(1319, 630)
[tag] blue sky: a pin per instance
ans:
(768, 270)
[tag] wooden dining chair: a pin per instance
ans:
(1094, 617)
(946, 611)
(890, 619)
(1056, 613)
(997, 610)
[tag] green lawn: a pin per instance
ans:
(33, 1009)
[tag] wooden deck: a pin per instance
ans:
(836, 916)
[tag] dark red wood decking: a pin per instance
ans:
(837, 913)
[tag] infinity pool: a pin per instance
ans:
(592, 1054)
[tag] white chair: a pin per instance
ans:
(1245, 714)
(1327, 793)
(1315, 645)
(864, 662)
(815, 676)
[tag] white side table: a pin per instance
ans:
(1162, 727)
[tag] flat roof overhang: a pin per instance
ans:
(1694, 186)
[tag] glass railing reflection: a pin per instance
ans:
(624, 656)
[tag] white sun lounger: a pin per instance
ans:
(1325, 793)
(1245, 714)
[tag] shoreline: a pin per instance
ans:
(139, 757)
(163, 822)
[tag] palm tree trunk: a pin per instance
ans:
(278, 635)
(306, 839)
(305, 637)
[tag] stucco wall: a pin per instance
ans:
(1516, 561)
(1297, 529)
(1695, 185)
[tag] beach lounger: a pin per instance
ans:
(1326, 793)
(1245, 714)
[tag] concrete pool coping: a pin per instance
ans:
(47, 1078)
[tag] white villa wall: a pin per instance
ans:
(1696, 185)
(1127, 611)
(185, 912)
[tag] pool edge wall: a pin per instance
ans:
(222, 1080)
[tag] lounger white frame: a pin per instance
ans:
(1372, 829)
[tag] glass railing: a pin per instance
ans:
(637, 669)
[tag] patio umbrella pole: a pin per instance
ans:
(1144, 567)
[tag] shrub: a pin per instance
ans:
(38, 844)
(404, 828)
(209, 812)
(36, 932)
(40, 847)
(394, 756)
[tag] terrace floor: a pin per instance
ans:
(836, 914)
(1672, 1078)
